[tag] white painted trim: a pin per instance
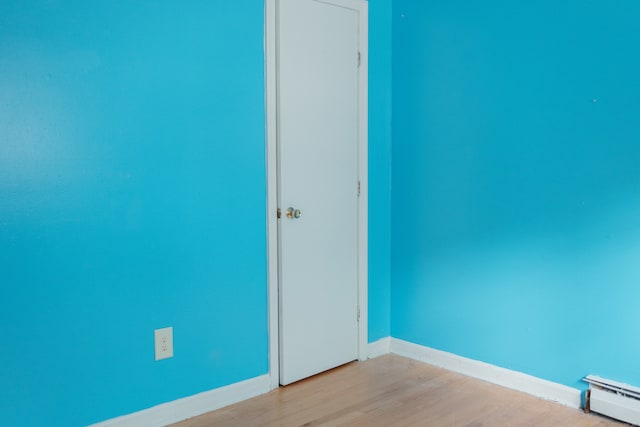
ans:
(379, 348)
(538, 387)
(188, 407)
(363, 173)
(272, 191)
(272, 181)
(192, 406)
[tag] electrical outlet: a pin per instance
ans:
(163, 339)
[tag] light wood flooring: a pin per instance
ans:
(395, 391)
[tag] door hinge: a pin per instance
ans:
(358, 188)
(359, 58)
(279, 213)
(358, 314)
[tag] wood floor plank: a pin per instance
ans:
(395, 391)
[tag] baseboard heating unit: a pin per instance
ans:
(613, 399)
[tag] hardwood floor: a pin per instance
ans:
(395, 391)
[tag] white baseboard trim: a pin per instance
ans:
(188, 407)
(192, 406)
(534, 386)
(379, 348)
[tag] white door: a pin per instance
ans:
(318, 130)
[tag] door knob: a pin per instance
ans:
(293, 213)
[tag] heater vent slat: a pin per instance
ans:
(614, 385)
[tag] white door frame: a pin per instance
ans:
(272, 182)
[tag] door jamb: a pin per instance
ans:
(272, 182)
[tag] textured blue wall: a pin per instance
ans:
(379, 168)
(132, 197)
(516, 183)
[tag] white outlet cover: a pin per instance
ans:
(163, 339)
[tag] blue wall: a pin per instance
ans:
(379, 168)
(132, 197)
(516, 183)
(132, 194)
